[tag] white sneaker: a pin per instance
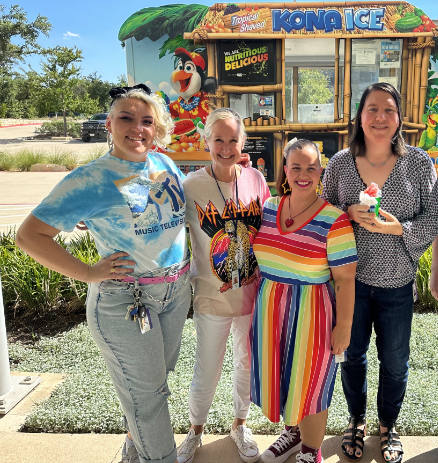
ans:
(127, 453)
(248, 450)
(288, 443)
(186, 451)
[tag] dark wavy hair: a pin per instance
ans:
(293, 144)
(357, 138)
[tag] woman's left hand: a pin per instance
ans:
(245, 160)
(390, 227)
(340, 339)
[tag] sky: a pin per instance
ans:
(93, 26)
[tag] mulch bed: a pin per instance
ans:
(30, 329)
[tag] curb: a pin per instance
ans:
(18, 125)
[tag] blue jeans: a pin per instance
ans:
(391, 310)
(139, 363)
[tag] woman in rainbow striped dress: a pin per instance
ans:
(303, 310)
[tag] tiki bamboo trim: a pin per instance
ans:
(281, 35)
(192, 156)
(295, 94)
(329, 127)
(431, 44)
(404, 77)
(211, 70)
(412, 125)
(417, 76)
(424, 81)
(347, 80)
(252, 89)
(336, 96)
(280, 46)
(410, 83)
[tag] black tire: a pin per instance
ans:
(86, 137)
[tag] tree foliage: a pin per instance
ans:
(15, 25)
(313, 87)
(60, 83)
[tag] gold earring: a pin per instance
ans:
(286, 186)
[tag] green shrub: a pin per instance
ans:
(3, 110)
(24, 159)
(56, 129)
(6, 161)
(63, 158)
(94, 154)
(29, 288)
(425, 298)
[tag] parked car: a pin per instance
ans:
(95, 127)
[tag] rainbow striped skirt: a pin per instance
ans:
(292, 369)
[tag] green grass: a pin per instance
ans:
(22, 160)
(86, 401)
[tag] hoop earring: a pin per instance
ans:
(286, 186)
(110, 141)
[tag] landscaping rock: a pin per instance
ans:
(47, 168)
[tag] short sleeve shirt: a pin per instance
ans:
(135, 207)
(218, 249)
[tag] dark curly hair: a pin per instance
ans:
(357, 138)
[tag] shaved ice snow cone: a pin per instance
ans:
(371, 196)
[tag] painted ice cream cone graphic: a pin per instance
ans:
(371, 196)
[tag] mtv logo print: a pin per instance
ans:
(150, 200)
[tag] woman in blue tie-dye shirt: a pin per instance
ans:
(132, 201)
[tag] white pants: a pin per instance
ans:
(212, 334)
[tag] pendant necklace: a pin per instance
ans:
(378, 165)
(290, 221)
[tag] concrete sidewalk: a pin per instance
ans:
(17, 447)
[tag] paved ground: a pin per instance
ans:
(12, 139)
(20, 192)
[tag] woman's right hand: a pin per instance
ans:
(359, 213)
(110, 268)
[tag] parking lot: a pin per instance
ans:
(14, 139)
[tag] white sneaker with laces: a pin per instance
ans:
(186, 451)
(127, 453)
(248, 450)
(288, 443)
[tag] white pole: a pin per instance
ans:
(5, 371)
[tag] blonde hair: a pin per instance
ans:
(162, 120)
(223, 114)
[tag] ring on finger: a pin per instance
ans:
(113, 263)
(113, 270)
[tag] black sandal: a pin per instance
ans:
(353, 438)
(391, 443)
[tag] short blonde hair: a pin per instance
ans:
(221, 114)
(162, 119)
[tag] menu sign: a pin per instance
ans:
(252, 62)
(260, 149)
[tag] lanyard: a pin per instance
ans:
(227, 204)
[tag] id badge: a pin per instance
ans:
(235, 279)
(340, 358)
(144, 320)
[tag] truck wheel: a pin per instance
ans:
(86, 137)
